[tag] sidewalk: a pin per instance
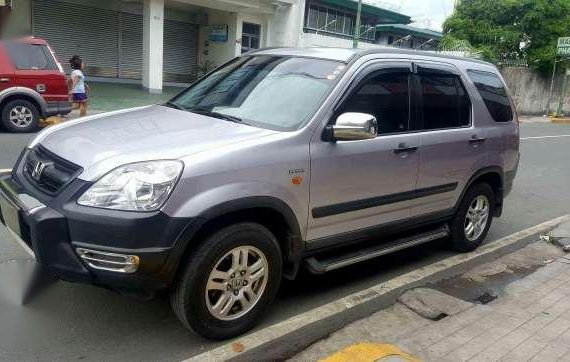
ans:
(528, 320)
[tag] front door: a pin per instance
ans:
(357, 185)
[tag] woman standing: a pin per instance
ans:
(78, 88)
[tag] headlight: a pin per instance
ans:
(143, 186)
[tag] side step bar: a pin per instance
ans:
(320, 266)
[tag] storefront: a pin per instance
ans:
(108, 35)
(153, 42)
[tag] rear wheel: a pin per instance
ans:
(229, 281)
(20, 116)
(472, 221)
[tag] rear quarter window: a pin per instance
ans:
(30, 56)
(494, 94)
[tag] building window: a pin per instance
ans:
(337, 22)
(250, 37)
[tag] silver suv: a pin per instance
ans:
(279, 159)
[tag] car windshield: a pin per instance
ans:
(273, 92)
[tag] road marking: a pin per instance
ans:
(281, 340)
(5, 170)
(539, 137)
(365, 352)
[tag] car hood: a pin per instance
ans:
(146, 133)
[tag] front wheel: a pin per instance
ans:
(229, 281)
(472, 221)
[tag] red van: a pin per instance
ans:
(32, 84)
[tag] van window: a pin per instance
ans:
(386, 97)
(445, 101)
(494, 94)
(30, 56)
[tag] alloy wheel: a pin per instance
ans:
(476, 218)
(21, 116)
(236, 283)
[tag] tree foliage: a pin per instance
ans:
(507, 29)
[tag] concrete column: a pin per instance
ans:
(153, 18)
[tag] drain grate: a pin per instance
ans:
(485, 298)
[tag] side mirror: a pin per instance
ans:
(352, 126)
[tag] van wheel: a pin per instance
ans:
(229, 281)
(20, 116)
(472, 221)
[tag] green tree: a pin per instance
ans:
(506, 29)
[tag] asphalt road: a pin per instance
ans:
(73, 321)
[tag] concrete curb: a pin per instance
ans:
(560, 120)
(284, 339)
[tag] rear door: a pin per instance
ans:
(452, 145)
(359, 185)
(37, 69)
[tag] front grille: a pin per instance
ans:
(47, 171)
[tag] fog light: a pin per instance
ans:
(119, 263)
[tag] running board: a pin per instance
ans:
(320, 266)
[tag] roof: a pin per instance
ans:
(389, 15)
(347, 55)
(27, 40)
(338, 54)
(408, 29)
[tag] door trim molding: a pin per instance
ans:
(343, 207)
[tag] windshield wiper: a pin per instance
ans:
(174, 105)
(217, 115)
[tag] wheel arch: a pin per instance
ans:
(492, 175)
(28, 94)
(270, 212)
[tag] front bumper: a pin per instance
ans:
(54, 233)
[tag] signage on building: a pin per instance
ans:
(218, 33)
(564, 46)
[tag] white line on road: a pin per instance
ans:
(5, 170)
(297, 329)
(539, 137)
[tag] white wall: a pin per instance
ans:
(218, 52)
(314, 40)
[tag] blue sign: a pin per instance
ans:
(218, 33)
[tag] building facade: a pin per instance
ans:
(156, 42)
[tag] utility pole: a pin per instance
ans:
(562, 95)
(357, 27)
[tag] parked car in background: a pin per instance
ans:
(280, 159)
(32, 84)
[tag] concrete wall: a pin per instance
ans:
(313, 40)
(218, 52)
(530, 91)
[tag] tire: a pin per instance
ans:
(196, 306)
(461, 239)
(20, 116)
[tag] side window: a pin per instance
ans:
(494, 94)
(386, 97)
(29, 56)
(445, 101)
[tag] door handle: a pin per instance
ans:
(403, 148)
(476, 139)
(4, 80)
